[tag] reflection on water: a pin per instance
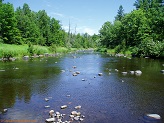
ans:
(113, 97)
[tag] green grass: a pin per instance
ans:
(111, 51)
(8, 50)
(61, 50)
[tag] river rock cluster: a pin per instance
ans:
(57, 117)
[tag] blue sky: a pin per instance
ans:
(86, 15)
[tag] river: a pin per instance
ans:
(111, 98)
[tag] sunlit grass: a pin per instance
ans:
(7, 50)
(11, 50)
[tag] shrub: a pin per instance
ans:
(30, 49)
(149, 48)
(53, 48)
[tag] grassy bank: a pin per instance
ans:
(8, 50)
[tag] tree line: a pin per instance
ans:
(141, 31)
(24, 26)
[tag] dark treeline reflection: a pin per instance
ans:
(22, 79)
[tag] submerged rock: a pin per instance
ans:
(46, 54)
(26, 57)
(47, 106)
(2, 70)
(74, 67)
(77, 72)
(116, 70)
(74, 74)
(78, 107)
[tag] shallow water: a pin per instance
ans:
(110, 98)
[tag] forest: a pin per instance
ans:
(141, 31)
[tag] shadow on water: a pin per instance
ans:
(112, 97)
(22, 79)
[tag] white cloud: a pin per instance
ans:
(57, 14)
(89, 31)
(80, 30)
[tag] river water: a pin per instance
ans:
(110, 98)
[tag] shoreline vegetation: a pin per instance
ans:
(139, 33)
(11, 52)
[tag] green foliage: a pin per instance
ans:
(53, 48)
(8, 26)
(141, 30)
(7, 50)
(120, 13)
(102, 50)
(40, 50)
(25, 26)
(31, 49)
(151, 48)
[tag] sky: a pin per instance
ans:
(84, 16)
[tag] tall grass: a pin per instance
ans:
(8, 50)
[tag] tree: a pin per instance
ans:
(55, 33)
(105, 34)
(120, 13)
(44, 26)
(27, 24)
(8, 25)
(136, 28)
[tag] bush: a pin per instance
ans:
(30, 49)
(102, 50)
(53, 48)
(149, 48)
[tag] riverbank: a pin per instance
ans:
(113, 51)
(128, 52)
(18, 51)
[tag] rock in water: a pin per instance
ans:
(47, 106)
(162, 71)
(74, 112)
(100, 74)
(50, 120)
(124, 73)
(77, 72)
(51, 113)
(74, 74)
(5, 110)
(131, 72)
(78, 107)
(138, 72)
(154, 118)
(64, 106)
(46, 99)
